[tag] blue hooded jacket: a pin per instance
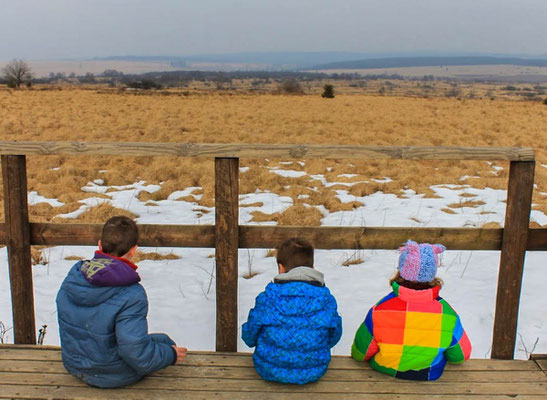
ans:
(102, 312)
(293, 325)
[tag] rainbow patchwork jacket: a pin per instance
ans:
(411, 334)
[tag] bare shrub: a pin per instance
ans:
(291, 86)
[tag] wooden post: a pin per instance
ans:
(227, 243)
(14, 177)
(513, 249)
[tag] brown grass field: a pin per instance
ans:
(226, 117)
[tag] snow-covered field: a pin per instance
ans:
(182, 292)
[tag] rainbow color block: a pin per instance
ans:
(411, 334)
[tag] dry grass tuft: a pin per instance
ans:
(250, 275)
(259, 216)
(271, 253)
(352, 261)
(306, 216)
(37, 255)
(448, 210)
(189, 199)
(73, 258)
(141, 255)
(257, 204)
(330, 201)
(158, 195)
(491, 225)
(44, 212)
(100, 213)
(468, 203)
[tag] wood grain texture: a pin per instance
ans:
(365, 373)
(371, 238)
(227, 242)
(237, 385)
(227, 359)
(265, 237)
(515, 238)
(85, 393)
(17, 228)
(37, 372)
(266, 151)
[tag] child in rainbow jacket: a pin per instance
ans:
(412, 332)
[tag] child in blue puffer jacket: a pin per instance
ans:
(102, 312)
(295, 321)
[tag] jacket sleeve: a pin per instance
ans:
(460, 348)
(135, 345)
(364, 345)
(255, 321)
(335, 330)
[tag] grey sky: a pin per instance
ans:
(52, 29)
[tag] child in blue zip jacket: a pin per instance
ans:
(295, 321)
(102, 312)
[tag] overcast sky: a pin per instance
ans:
(55, 29)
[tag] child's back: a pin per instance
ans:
(102, 312)
(412, 333)
(293, 325)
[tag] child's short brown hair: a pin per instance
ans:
(295, 252)
(119, 235)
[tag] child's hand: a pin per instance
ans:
(181, 353)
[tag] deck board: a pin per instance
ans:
(361, 374)
(37, 372)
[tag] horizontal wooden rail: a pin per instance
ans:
(266, 151)
(251, 236)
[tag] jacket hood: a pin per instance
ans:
(107, 270)
(301, 274)
(415, 296)
(299, 292)
(91, 282)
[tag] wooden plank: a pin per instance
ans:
(537, 239)
(265, 237)
(243, 150)
(149, 235)
(364, 374)
(219, 359)
(227, 241)
(84, 393)
(371, 238)
(542, 363)
(14, 178)
(235, 385)
(515, 236)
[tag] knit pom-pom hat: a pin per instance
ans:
(418, 262)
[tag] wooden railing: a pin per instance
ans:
(226, 236)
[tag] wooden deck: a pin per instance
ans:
(36, 372)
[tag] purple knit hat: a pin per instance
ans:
(418, 262)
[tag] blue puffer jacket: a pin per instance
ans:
(102, 313)
(293, 325)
